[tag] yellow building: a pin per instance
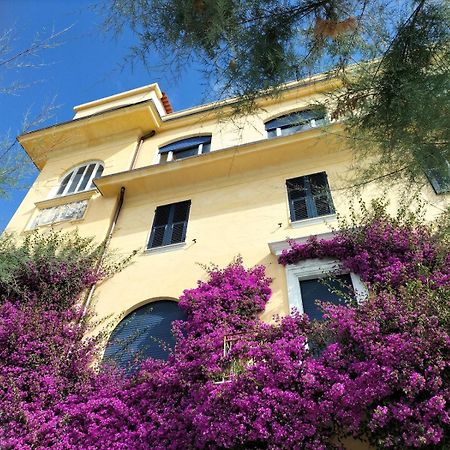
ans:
(192, 186)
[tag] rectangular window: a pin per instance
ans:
(309, 196)
(332, 290)
(169, 224)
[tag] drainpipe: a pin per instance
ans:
(138, 148)
(107, 240)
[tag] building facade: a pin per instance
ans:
(188, 188)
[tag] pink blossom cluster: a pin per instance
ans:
(378, 371)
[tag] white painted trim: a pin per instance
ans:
(164, 248)
(317, 268)
(157, 158)
(72, 172)
(313, 221)
(277, 247)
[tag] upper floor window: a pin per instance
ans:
(295, 122)
(309, 196)
(185, 148)
(80, 179)
(169, 224)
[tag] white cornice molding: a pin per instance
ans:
(277, 247)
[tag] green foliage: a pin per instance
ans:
(397, 108)
(62, 262)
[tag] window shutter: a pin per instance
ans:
(309, 196)
(185, 144)
(170, 224)
(298, 121)
(145, 333)
(440, 181)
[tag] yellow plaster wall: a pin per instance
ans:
(238, 212)
(116, 156)
(226, 131)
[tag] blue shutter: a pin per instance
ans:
(309, 196)
(439, 180)
(185, 144)
(332, 290)
(294, 119)
(144, 333)
(170, 224)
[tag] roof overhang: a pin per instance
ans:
(140, 117)
(232, 161)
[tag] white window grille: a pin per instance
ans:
(80, 179)
(60, 213)
(237, 365)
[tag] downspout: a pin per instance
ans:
(107, 240)
(138, 148)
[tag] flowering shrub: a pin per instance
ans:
(382, 373)
(43, 357)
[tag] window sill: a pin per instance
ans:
(70, 198)
(313, 221)
(164, 248)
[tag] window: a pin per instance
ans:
(307, 282)
(309, 196)
(80, 179)
(439, 177)
(332, 290)
(185, 148)
(295, 122)
(144, 333)
(169, 224)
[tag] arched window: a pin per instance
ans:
(80, 178)
(144, 333)
(295, 122)
(185, 148)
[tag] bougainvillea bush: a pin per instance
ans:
(376, 371)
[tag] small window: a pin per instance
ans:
(185, 148)
(332, 290)
(80, 179)
(295, 122)
(439, 177)
(144, 333)
(169, 224)
(309, 196)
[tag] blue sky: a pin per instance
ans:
(85, 66)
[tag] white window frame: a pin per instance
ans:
(73, 171)
(170, 155)
(312, 269)
(278, 130)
